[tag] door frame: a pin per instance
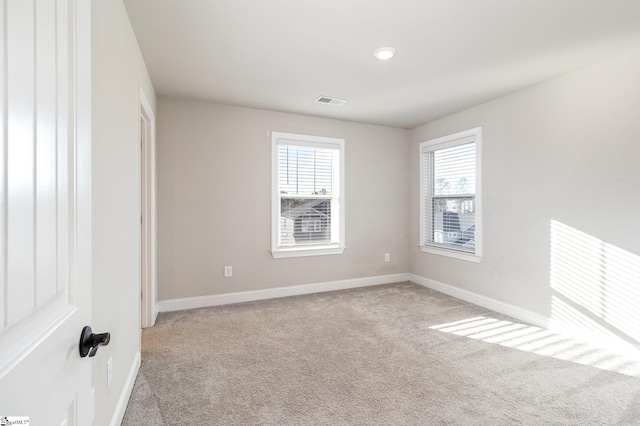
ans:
(147, 185)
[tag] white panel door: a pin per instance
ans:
(45, 216)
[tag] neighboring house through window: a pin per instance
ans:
(450, 202)
(307, 195)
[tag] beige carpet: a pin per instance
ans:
(393, 354)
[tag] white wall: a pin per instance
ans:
(214, 205)
(118, 72)
(566, 151)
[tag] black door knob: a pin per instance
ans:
(90, 342)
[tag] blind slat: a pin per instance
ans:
(304, 170)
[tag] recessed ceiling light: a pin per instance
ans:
(384, 53)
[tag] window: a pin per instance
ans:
(450, 202)
(307, 195)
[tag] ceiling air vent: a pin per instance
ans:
(331, 101)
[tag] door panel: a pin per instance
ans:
(45, 209)
(20, 142)
(45, 154)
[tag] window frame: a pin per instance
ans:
(448, 141)
(280, 138)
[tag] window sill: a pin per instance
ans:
(301, 252)
(470, 257)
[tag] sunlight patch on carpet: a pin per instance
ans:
(539, 341)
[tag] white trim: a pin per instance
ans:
(478, 200)
(513, 311)
(145, 105)
(272, 293)
(484, 301)
(449, 141)
(121, 407)
(148, 312)
(618, 345)
(306, 251)
(457, 254)
(320, 142)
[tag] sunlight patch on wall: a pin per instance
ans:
(595, 289)
(541, 342)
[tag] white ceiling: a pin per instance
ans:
(451, 54)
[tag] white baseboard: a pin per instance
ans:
(272, 293)
(610, 343)
(513, 311)
(121, 407)
(486, 302)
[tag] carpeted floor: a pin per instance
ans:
(395, 354)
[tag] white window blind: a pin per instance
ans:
(308, 193)
(449, 185)
(305, 170)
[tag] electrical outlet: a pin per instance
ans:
(228, 271)
(387, 257)
(109, 371)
